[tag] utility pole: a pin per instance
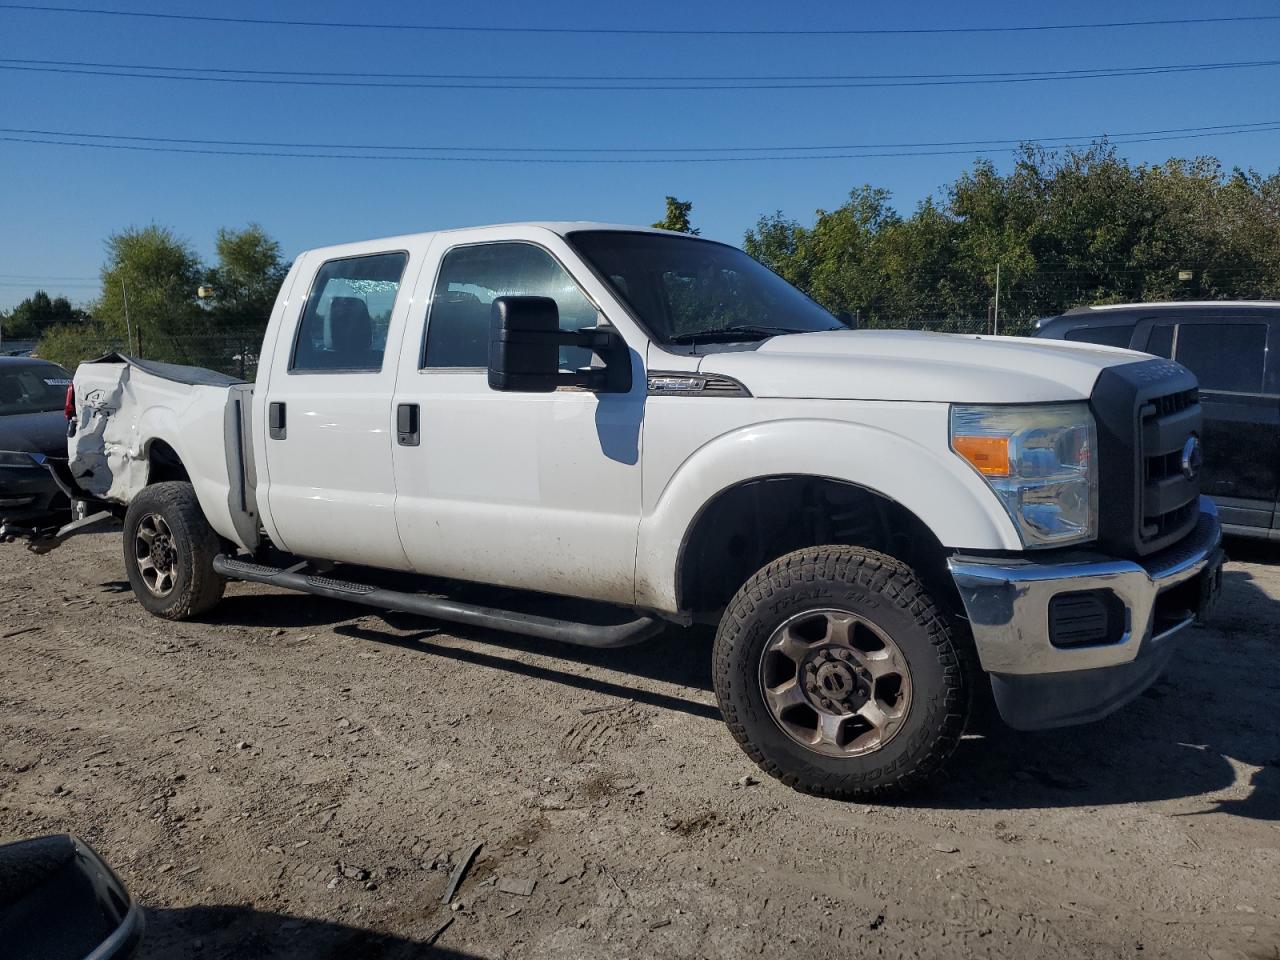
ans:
(995, 322)
(128, 327)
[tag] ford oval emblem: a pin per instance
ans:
(1192, 457)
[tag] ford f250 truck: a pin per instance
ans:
(880, 522)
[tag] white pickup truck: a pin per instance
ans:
(882, 523)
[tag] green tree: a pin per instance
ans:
(1065, 228)
(677, 217)
(37, 313)
(246, 278)
(244, 282)
(149, 288)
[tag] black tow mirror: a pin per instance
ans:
(60, 901)
(524, 350)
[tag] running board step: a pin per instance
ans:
(605, 636)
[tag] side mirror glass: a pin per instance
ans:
(524, 350)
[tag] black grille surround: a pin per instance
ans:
(1145, 411)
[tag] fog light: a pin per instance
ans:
(1085, 618)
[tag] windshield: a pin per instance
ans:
(686, 290)
(32, 388)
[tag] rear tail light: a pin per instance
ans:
(69, 408)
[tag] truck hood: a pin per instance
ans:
(915, 365)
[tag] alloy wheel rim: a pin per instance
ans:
(835, 683)
(156, 555)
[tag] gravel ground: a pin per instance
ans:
(296, 778)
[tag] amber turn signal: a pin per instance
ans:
(989, 455)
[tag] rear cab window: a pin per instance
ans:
(32, 388)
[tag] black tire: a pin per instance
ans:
(885, 596)
(171, 510)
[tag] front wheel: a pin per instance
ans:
(168, 552)
(838, 675)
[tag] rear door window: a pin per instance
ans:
(344, 326)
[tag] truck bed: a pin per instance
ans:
(139, 417)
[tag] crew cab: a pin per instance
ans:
(633, 429)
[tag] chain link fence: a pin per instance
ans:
(1004, 326)
(237, 354)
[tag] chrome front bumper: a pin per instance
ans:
(1038, 684)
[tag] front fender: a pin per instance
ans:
(930, 481)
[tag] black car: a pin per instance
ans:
(1232, 348)
(33, 396)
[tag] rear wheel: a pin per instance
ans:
(168, 552)
(838, 675)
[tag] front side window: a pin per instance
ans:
(32, 388)
(686, 290)
(344, 325)
(472, 277)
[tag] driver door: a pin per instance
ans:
(539, 491)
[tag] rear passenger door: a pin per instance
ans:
(1241, 403)
(328, 419)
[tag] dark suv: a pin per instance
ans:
(1233, 348)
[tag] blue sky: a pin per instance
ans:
(58, 203)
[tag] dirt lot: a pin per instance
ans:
(297, 779)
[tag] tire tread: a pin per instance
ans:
(176, 500)
(893, 580)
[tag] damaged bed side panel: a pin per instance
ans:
(126, 408)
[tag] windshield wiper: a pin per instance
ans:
(732, 333)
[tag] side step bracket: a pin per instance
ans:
(605, 636)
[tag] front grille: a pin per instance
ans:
(1170, 500)
(1145, 412)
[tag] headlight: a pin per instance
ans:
(8, 459)
(1039, 460)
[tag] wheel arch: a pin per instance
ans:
(935, 494)
(753, 522)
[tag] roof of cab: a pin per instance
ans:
(11, 361)
(1108, 314)
(561, 227)
(1162, 305)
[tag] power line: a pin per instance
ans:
(678, 84)
(621, 31)
(984, 75)
(1169, 132)
(298, 153)
(36, 277)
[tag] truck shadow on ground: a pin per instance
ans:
(679, 658)
(235, 932)
(1216, 705)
